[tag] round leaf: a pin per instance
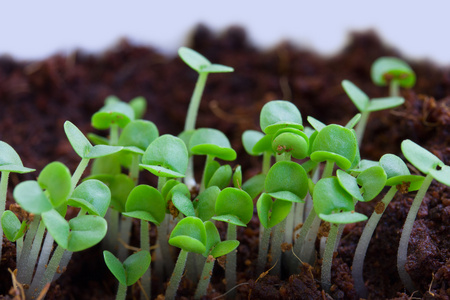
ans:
(85, 232)
(139, 133)
(10, 160)
(190, 235)
(145, 198)
(221, 177)
(255, 185)
(93, 196)
(385, 69)
(11, 226)
(114, 112)
(57, 226)
(205, 203)
(287, 176)
(419, 157)
(249, 140)
(136, 265)
(292, 143)
(279, 114)
(372, 181)
(56, 179)
(329, 197)
(208, 141)
(115, 266)
(31, 197)
(139, 105)
(232, 201)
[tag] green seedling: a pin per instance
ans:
(434, 168)
(9, 162)
(235, 207)
(250, 138)
(279, 114)
(190, 236)
(398, 177)
(205, 203)
(394, 72)
(333, 204)
(366, 105)
(128, 272)
(214, 249)
(14, 230)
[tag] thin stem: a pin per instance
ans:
(328, 170)
(209, 159)
(266, 162)
(27, 244)
(26, 276)
(114, 135)
(3, 191)
(394, 88)
(43, 260)
(406, 233)
(205, 277)
(327, 260)
(19, 247)
(110, 242)
(166, 259)
(79, 172)
(361, 127)
(189, 178)
(121, 292)
(51, 270)
(230, 268)
(145, 246)
(263, 250)
(191, 117)
(125, 234)
(307, 252)
(134, 168)
(275, 250)
(175, 279)
(364, 241)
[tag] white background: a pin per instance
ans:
(39, 28)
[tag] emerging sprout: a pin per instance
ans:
(394, 72)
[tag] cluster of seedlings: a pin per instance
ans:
(308, 175)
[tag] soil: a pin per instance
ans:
(37, 97)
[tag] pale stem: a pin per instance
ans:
(78, 173)
(3, 191)
(204, 278)
(43, 260)
(191, 117)
(263, 250)
(114, 135)
(145, 246)
(134, 168)
(307, 252)
(209, 159)
(166, 259)
(27, 243)
(19, 247)
(174, 282)
(51, 270)
(125, 234)
(230, 268)
(121, 292)
(266, 162)
(25, 277)
(328, 170)
(275, 250)
(361, 127)
(394, 88)
(327, 260)
(406, 233)
(363, 244)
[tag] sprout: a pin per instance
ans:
(434, 168)
(392, 71)
(279, 114)
(128, 272)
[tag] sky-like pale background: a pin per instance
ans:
(39, 28)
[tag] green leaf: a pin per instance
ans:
(56, 179)
(93, 196)
(183, 204)
(349, 183)
(115, 266)
(97, 139)
(146, 202)
(353, 121)
(279, 114)
(237, 177)
(139, 106)
(271, 213)
(264, 144)
(136, 265)
(193, 59)
(232, 219)
(358, 97)
(235, 202)
(335, 143)
(263, 208)
(392, 67)
(329, 197)
(212, 237)
(167, 188)
(209, 171)
(442, 175)
(224, 248)
(190, 235)
(205, 203)
(113, 112)
(102, 150)
(316, 124)
(419, 157)
(138, 133)
(167, 156)
(217, 68)
(208, 141)
(57, 226)
(79, 142)
(372, 181)
(249, 140)
(296, 144)
(255, 185)
(287, 176)
(10, 160)
(12, 227)
(343, 217)
(120, 186)
(106, 165)
(85, 232)
(30, 196)
(385, 103)
(221, 177)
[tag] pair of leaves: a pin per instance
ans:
(212, 142)
(146, 203)
(371, 181)
(200, 63)
(12, 227)
(128, 272)
(214, 246)
(190, 235)
(234, 206)
(10, 160)
(385, 69)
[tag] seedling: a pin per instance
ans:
(434, 168)
(394, 72)
(366, 105)
(128, 272)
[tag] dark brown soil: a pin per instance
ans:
(37, 97)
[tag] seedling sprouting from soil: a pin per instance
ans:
(394, 72)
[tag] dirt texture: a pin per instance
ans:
(37, 97)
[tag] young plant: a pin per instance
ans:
(394, 72)
(366, 105)
(190, 236)
(434, 168)
(128, 272)
(398, 177)
(235, 207)
(203, 67)
(9, 162)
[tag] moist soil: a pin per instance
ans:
(37, 97)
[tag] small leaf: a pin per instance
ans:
(343, 217)
(139, 133)
(12, 227)
(31, 197)
(419, 157)
(113, 112)
(287, 176)
(136, 265)
(10, 160)
(120, 186)
(85, 232)
(372, 181)
(221, 177)
(349, 183)
(93, 196)
(442, 175)
(57, 226)
(237, 177)
(255, 185)
(56, 179)
(394, 68)
(279, 114)
(77, 139)
(353, 121)
(224, 248)
(385, 103)
(217, 68)
(208, 141)
(183, 204)
(206, 202)
(249, 140)
(358, 97)
(316, 124)
(115, 266)
(147, 199)
(193, 59)
(232, 201)
(212, 237)
(190, 235)
(139, 105)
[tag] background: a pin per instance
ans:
(38, 29)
